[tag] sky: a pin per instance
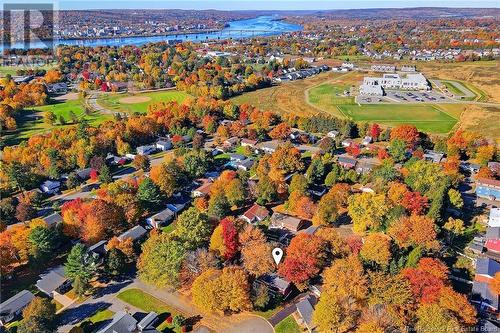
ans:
(270, 4)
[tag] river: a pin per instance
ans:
(259, 26)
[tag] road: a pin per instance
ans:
(106, 298)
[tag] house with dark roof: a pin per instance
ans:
(255, 214)
(161, 218)
(53, 220)
(276, 285)
(124, 322)
(50, 186)
(12, 308)
(346, 162)
(433, 156)
(98, 250)
(54, 282)
(283, 221)
(135, 233)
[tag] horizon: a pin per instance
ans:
(276, 5)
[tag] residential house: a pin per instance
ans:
(365, 165)
(135, 233)
(53, 220)
(287, 222)
(124, 322)
(488, 189)
(98, 250)
(494, 167)
(203, 189)
(486, 269)
(347, 142)
(433, 156)
(383, 68)
(277, 285)
(244, 165)
(471, 167)
(230, 143)
(255, 214)
(178, 202)
(50, 186)
(305, 311)
(161, 218)
(367, 140)
(332, 134)
(236, 157)
(57, 88)
(146, 150)
(347, 162)
(494, 218)
(13, 307)
(317, 190)
(269, 147)
(84, 174)
(248, 143)
(54, 282)
(163, 144)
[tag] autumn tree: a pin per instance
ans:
(38, 317)
(224, 239)
(407, 133)
(169, 177)
(305, 257)
(377, 249)
(196, 262)
(414, 202)
(142, 162)
(332, 314)
(280, 132)
(495, 284)
(226, 290)
(414, 231)
(255, 251)
(367, 211)
(331, 205)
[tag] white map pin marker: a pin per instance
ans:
(277, 255)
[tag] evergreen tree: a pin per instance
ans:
(105, 175)
(43, 242)
(149, 194)
(80, 267)
(116, 261)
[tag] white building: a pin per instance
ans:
(373, 85)
(494, 220)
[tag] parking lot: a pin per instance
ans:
(393, 96)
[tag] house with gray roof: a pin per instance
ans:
(305, 313)
(13, 307)
(276, 284)
(124, 322)
(54, 282)
(161, 218)
(136, 233)
(53, 220)
(483, 297)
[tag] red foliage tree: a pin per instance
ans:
(427, 280)
(382, 154)
(305, 258)
(354, 150)
(230, 236)
(93, 175)
(374, 131)
(406, 133)
(355, 243)
(414, 202)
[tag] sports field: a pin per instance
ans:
(132, 103)
(328, 94)
(427, 118)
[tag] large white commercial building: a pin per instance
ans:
(376, 85)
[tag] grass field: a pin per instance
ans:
(426, 118)
(147, 303)
(30, 121)
(327, 95)
(287, 325)
(6, 70)
(452, 88)
(125, 103)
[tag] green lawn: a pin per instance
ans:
(30, 121)
(328, 95)
(101, 315)
(426, 117)
(5, 70)
(147, 303)
(112, 100)
(287, 325)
